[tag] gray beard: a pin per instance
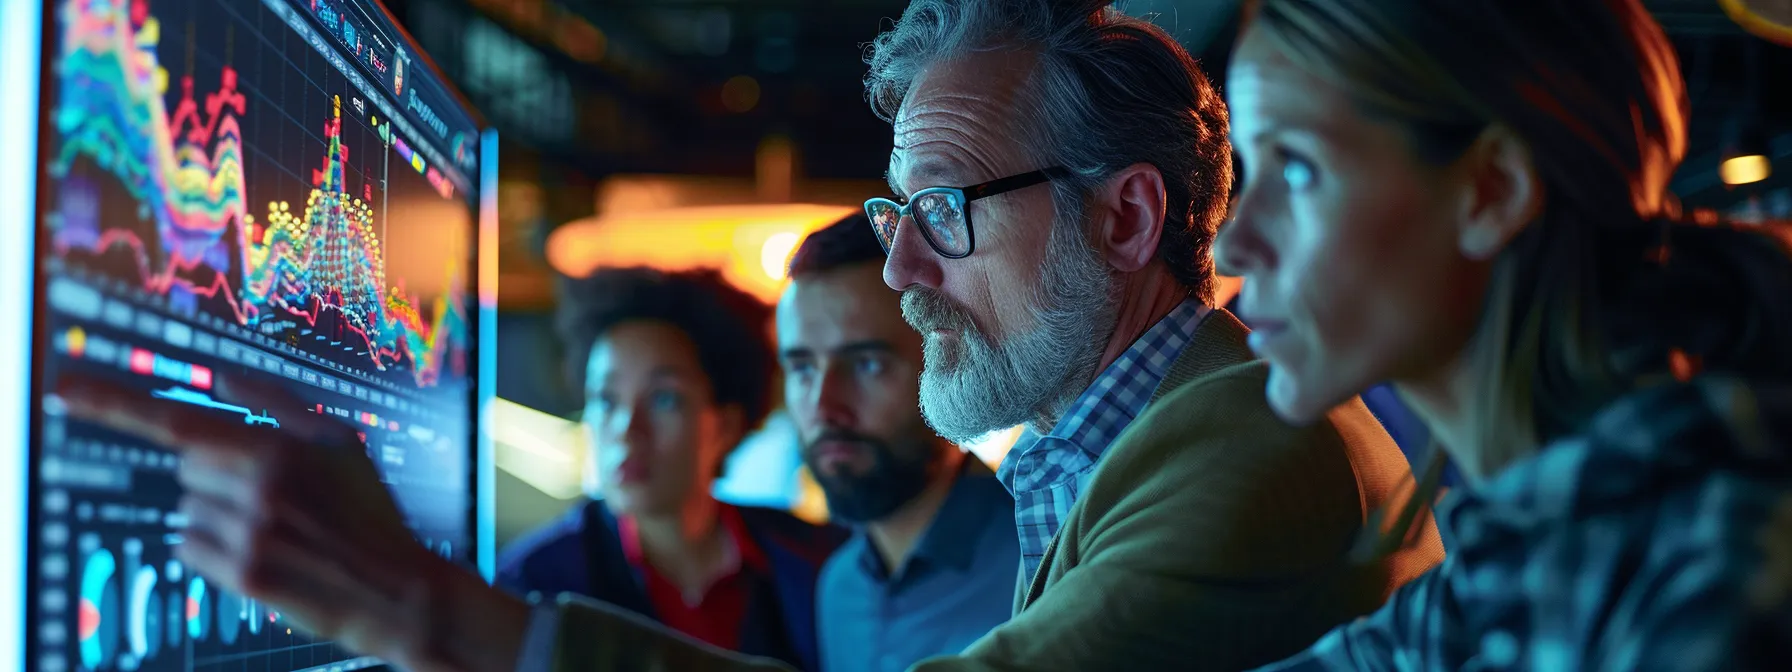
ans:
(974, 385)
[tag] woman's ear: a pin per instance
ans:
(1502, 193)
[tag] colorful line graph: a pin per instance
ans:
(187, 396)
(318, 269)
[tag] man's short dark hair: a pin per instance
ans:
(729, 327)
(847, 242)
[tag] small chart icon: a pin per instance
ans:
(231, 610)
(99, 609)
(144, 631)
(199, 611)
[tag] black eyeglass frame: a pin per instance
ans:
(964, 195)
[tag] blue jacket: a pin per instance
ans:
(581, 552)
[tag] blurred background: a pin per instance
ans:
(684, 133)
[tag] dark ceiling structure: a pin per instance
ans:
(693, 86)
(584, 89)
(1735, 81)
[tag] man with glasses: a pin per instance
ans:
(1057, 190)
(1060, 170)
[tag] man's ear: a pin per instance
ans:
(1502, 193)
(1131, 217)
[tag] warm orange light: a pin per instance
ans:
(750, 243)
(994, 446)
(1225, 288)
(1745, 169)
(578, 38)
(774, 256)
(740, 93)
(1765, 18)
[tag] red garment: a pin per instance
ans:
(718, 616)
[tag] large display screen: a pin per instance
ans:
(279, 189)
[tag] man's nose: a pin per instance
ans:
(910, 261)
(834, 399)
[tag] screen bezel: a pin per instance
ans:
(483, 332)
(27, 54)
(21, 32)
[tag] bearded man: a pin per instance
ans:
(930, 565)
(1060, 171)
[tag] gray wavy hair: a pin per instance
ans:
(1108, 91)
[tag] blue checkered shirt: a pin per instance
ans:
(1045, 473)
(1659, 539)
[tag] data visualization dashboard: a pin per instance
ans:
(281, 190)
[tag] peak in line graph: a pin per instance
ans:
(312, 273)
(234, 200)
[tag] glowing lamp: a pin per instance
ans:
(1745, 169)
(774, 256)
(1747, 145)
(749, 243)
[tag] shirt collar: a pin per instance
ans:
(743, 553)
(952, 538)
(1122, 390)
(1651, 440)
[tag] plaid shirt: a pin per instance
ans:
(1659, 539)
(1047, 474)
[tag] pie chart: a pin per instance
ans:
(231, 610)
(145, 632)
(199, 610)
(98, 619)
(254, 615)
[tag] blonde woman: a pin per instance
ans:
(1469, 198)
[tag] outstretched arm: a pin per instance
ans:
(344, 566)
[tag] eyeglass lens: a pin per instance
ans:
(940, 213)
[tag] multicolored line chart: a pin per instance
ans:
(308, 267)
(228, 194)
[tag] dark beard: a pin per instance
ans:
(895, 477)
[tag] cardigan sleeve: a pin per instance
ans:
(1212, 537)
